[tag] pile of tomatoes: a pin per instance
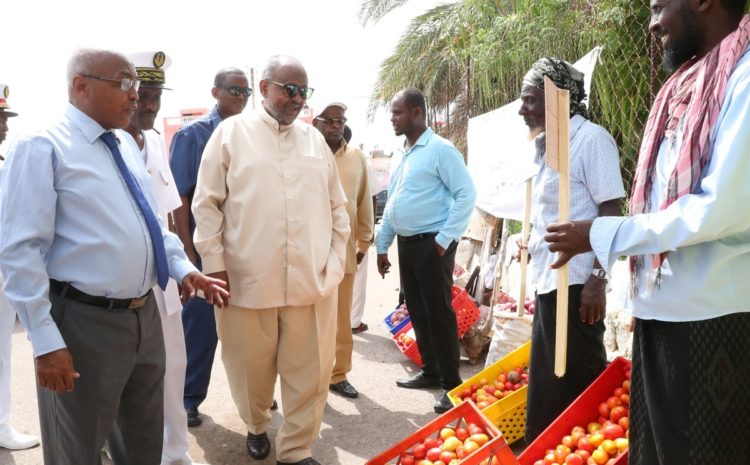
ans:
(449, 447)
(602, 440)
(487, 393)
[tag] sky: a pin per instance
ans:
(341, 56)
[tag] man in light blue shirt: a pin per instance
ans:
(80, 251)
(430, 200)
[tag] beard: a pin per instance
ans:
(683, 48)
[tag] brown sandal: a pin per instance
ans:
(360, 329)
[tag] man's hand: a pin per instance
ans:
(383, 264)
(440, 249)
(54, 371)
(568, 239)
(517, 256)
(593, 300)
(360, 257)
(215, 289)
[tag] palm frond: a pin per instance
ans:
(372, 11)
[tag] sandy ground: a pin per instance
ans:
(353, 431)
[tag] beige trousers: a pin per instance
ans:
(344, 338)
(297, 343)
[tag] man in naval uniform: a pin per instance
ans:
(9, 437)
(150, 67)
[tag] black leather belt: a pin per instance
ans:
(66, 291)
(417, 237)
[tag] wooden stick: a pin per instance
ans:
(524, 250)
(557, 103)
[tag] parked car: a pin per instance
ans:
(380, 199)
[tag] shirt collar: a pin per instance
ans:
(215, 116)
(90, 128)
(342, 148)
(421, 141)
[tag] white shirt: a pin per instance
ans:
(594, 178)
(707, 233)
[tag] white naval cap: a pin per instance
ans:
(150, 68)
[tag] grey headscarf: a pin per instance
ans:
(565, 76)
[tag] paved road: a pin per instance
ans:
(352, 431)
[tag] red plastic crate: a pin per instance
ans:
(411, 351)
(464, 412)
(580, 412)
(466, 311)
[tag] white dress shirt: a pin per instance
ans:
(594, 178)
(707, 233)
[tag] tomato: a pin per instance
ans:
(585, 444)
(430, 443)
(407, 460)
(573, 459)
(613, 402)
(625, 423)
(604, 410)
(609, 446)
(446, 456)
(419, 451)
(618, 412)
(613, 432)
(480, 438)
(462, 434)
(434, 454)
(600, 457)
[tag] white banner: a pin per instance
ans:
(501, 154)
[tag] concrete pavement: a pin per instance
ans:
(353, 431)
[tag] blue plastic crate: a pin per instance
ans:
(395, 329)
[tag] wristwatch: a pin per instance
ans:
(599, 273)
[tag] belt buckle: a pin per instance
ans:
(137, 303)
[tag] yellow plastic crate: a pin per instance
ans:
(508, 413)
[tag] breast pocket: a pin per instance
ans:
(314, 174)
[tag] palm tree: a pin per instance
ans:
(469, 57)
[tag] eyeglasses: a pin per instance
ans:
(239, 91)
(125, 83)
(332, 121)
(292, 90)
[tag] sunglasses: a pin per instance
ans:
(239, 91)
(292, 90)
(331, 121)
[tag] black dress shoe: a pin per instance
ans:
(258, 446)
(307, 461)
(443, 404)
(275, 405)
(194, 417)
(418, 381)
(345, 389)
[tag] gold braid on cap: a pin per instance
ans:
(150, 75)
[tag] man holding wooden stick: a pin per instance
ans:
(689, 243)
(595, 190)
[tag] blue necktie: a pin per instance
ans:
(154, 230)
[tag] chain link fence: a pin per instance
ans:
(626, 80)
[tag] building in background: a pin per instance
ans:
(172, 124)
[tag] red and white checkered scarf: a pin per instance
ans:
(694, 92)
